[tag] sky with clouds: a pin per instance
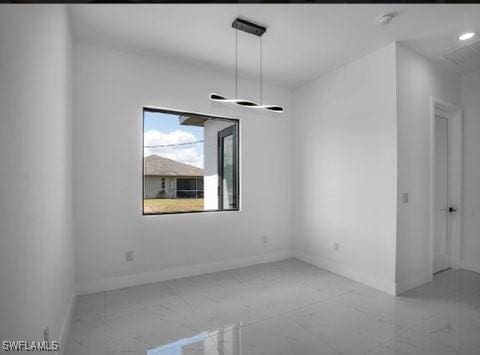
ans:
(164, 130)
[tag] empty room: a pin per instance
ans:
(240, 179)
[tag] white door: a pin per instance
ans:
(441, 242)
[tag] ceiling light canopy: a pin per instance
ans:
(257, 30)
(466, 35)
(385, 19)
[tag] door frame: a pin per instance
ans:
(455, 156)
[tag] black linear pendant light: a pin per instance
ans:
(257, 30)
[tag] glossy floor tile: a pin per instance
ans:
(286, 307)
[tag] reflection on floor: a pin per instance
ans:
(224, 340)
(286, 307)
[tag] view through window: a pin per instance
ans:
(190, 162)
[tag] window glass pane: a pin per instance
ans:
(200, 183)
(228, 191)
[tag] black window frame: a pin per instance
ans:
(236, 121)
(229, 131)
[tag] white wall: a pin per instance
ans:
(345, 170)
(417, 81)
(470, 89)
(111, 87)
(36, 244)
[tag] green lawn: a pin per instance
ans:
(162, 205)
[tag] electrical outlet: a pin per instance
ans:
(265, 239)
(129, 255)
(405, 197)
(46, 333)
(336, 246)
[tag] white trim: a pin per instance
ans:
(345, 271)
(67, 321)
(457, 188)
(113, 283)
(455, 123)
(432, 185)
(414, 279)
(470, 265)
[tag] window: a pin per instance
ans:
(190, 162)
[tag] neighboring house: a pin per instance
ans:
(167, 178)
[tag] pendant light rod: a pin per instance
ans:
(261, 72)
(236, 63)
(257, 30)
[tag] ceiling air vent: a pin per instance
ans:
(466, 57)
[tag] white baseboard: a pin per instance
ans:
(414, 280)
(345, 271)
(178, 272)
(67, 321)
(470, 265)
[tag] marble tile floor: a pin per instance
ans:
(285, 307)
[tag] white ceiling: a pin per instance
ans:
(302, 41)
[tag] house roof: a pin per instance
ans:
(160, 166)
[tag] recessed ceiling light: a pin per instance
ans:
(465, 36)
